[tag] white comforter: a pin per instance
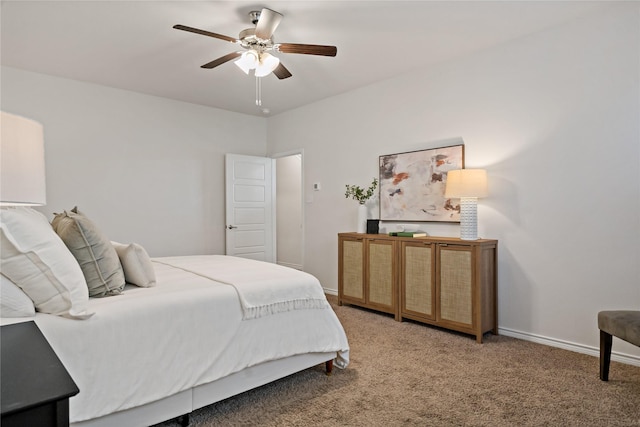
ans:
(263, 288)
(151, 343)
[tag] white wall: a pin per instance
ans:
(145, 169)
(554, 118)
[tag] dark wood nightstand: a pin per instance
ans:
(35, 386)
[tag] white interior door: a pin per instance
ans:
(249, 207)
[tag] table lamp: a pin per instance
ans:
(468, 185)
(22, 177)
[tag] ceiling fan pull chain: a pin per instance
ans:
(259, 91)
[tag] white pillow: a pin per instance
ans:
(14, 302)
(35, 259)
(137, 266)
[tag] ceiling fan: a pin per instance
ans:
(258, 42)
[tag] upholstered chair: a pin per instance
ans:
(622, 324)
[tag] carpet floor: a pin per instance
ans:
(409, 374)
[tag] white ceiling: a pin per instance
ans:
(131, 44)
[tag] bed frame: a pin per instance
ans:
(183, 403)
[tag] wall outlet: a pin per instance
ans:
(316, 186)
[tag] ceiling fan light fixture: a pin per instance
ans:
(248, 61)
(256, 42)
(268, 63)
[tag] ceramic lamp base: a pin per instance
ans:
(469, 218)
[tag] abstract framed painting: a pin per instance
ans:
(412, 185)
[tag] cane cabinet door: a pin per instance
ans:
(455, 285)
(417, 280)
(351, 270)
(380, 279)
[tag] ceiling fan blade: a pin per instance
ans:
(205, 33)
(267, 24)
(306, 49)
(281, 72)
(228, 57)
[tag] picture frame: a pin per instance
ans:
(412, 185)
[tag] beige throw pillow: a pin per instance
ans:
(38, 262)
(136, 264)
(93, 251)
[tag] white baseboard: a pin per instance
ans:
(330, 291)
(566, 345)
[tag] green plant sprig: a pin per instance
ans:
(360, 194)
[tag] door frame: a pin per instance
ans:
(275, 156)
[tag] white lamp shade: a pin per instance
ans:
(466, 183)
(248, 61)
(22, 177)
(268, 63)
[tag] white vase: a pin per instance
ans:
(362, 218)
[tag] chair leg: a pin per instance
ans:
(605, 354)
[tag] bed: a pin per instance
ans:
(209, 327)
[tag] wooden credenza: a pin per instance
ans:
(442, 281)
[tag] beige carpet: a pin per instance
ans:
(408, 374)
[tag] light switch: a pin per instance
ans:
(316, 186)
